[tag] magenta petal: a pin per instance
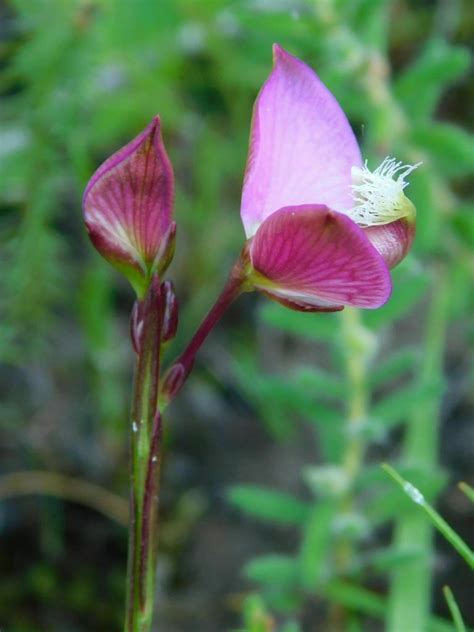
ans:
(317, 258)
(302, 147)
(128, 203)
(393, 241)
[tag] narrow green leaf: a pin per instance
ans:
(355, 598)
(317, 381)
(399, 363)
(454, 609)
(312, 326)
(438, 521)
(256, 617)
(463, 223)
(387, 559)
(268, 504)
(315, 544)
(409, 285)
(398, 406)
(359, 599)
(437, 66)
(273, 569)
(468, 490)
(450, 147)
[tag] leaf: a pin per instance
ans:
(388, 559)
(438, 65)
(315, 381)
(312, 326)
(315, 544)
(389, 504)
(273, 569)
(268, 504)
(359, 599)
(454, 609)
(430, 220)
(450, 147)
(397, 407)
(468, 490)
(463, 223)
(438, 521)
(355, 597)
(371, 23)
(256, 617)
(400, 362)
(410, 283)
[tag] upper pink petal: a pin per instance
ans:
(128, 202)
(302, 147)
(315, 257)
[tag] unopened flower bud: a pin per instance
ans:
(172, 382)
(128, 207)
(136, 326)
(170, 311)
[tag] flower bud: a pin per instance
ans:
(128, 207)
(170, 311)
(172, 382)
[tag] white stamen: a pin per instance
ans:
(378, 195)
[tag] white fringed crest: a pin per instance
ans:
(378, 195)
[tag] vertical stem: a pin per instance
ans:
(145, 464)
(409, 600)
(358, 345)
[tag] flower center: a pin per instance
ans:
(378, 195)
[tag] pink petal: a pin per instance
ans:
(128, 203)
(302, 147)
(317, 259)
(393, 241)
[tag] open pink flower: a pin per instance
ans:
(128, 205)
(322, 229)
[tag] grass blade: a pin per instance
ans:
(439, 522)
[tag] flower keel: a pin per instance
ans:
(315, 259)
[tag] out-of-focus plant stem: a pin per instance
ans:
(409, 599)
(145, 468)
(67, 488)
(358, 343)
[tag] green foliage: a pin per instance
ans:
(269, 504)
(438, 521)
(79, 78)
(454, 609)
(362, 388)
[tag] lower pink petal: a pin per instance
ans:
(317, 259)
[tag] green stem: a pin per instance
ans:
(409, 602)
(145, 469)
(358, 347)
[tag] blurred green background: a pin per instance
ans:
(270, 397)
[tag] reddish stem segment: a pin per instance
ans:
(181, 367)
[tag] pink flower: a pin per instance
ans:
(128, 205)
(322, 229)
